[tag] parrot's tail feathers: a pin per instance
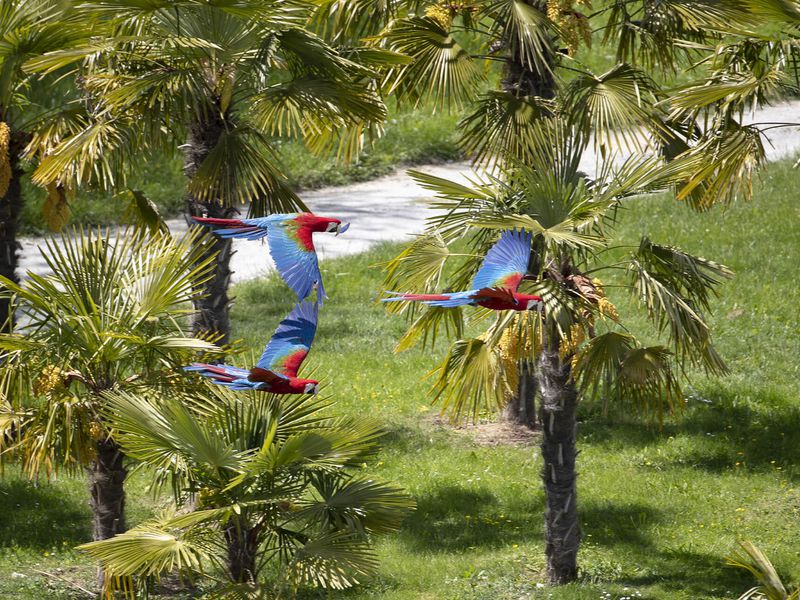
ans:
(401, 297)
(222, 374)
(233, 228)
(442, 300)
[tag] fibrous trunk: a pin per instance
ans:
(106, 480)
(107, 493)
(213, 305)
(521, 407)
(558, 417)
(10, 207)
(242, 544)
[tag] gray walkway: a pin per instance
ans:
(393, 208)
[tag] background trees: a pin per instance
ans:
(111, 315)
(28, 28)
(222, 83)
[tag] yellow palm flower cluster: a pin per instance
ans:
(5, 158)
(96, 431)
(441, 14)
(572, 25)
(569, 344)
(604, 305)
(509, 351)
(49, 380)
(56, 210)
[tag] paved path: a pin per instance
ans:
(393, 208)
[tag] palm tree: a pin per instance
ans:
(28, 28)
(579, 344)
(537, 46)
(111, 315)
(275, 488)
(224, 82)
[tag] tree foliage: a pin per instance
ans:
(112, 313)
(275, 472)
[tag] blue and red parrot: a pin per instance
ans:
(290, 243)
(276, 371)
(496, 282)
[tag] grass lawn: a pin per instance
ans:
(659, 509)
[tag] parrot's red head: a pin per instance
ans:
(528, 301)
(304, 386)
(327, 224)
(336, 226)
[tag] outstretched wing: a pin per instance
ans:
(506, 262)
(496, 293)
(290, 343)
(292, 249)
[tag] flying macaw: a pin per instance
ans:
(496, 282)
(276, 371)
(290, 244)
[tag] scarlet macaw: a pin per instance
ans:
(496, 282)
(276, 371)
(290, 244)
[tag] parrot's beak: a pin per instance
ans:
(342, 228)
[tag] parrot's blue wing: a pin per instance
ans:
(291, 341)
(506, 262)
(292, 249)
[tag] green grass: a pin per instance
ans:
(659, 509)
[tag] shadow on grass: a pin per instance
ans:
(452, 518)
(626, 530)
(726, 430)
(615, 524)
(699, 574)
(40, 517)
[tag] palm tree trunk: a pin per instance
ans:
(558, 416)
(10, 207)
(521, 408)
(107, 494)
(106, 479)
(242, 548)
(213, 307)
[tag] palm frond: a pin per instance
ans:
(442, 71)
(241, 167)
(720, 167)
(469, 380)
(629, 373)
(419, 266)
(503, 125)
(751, 558)
(335, 560)
(617, 107)
(151, 549)
(527, 31)
(429, 325)
(358, 505)
(675, 287)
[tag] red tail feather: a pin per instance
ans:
(232, 223)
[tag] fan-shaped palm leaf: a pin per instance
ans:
(441, 71)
